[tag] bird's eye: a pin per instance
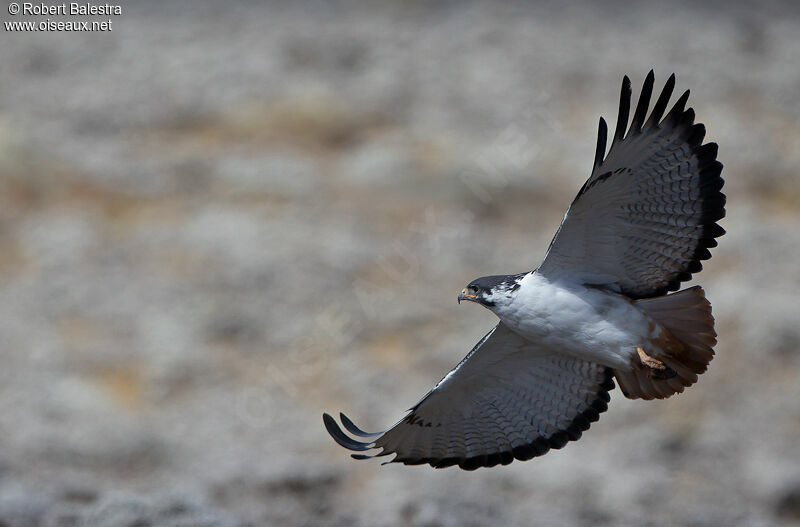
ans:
(473, 289)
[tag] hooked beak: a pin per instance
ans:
(465, 296)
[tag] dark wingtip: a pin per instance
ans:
(677, 111)
(644, 103)
(624, 109)
(661, 103)
(602, 137)
(340, 437)
(351, 427)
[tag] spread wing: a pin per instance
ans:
(507, 399)
(646, 217)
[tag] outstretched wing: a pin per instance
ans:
(507, 399)
(647, 216)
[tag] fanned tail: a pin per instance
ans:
(686, 317)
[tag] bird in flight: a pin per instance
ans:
(598, 308)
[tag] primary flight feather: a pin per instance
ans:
(597, 308)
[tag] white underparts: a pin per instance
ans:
(576, 320)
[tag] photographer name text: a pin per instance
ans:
(72, 8)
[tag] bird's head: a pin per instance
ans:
(490, 290)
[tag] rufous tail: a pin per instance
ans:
(682, 351)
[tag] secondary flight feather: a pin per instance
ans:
(598, 308)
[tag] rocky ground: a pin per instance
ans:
(219, 220)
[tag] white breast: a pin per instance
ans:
(573, 319)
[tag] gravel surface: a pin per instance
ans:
(219, 220)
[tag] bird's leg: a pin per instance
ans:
(655, 368)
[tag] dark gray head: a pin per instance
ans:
(487, 289)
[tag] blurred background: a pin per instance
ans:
(219, 220)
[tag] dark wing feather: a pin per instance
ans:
(661, 103)
(644, 103)
(506, 400)
(602, 136)
(645, 219)
(624, 111)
